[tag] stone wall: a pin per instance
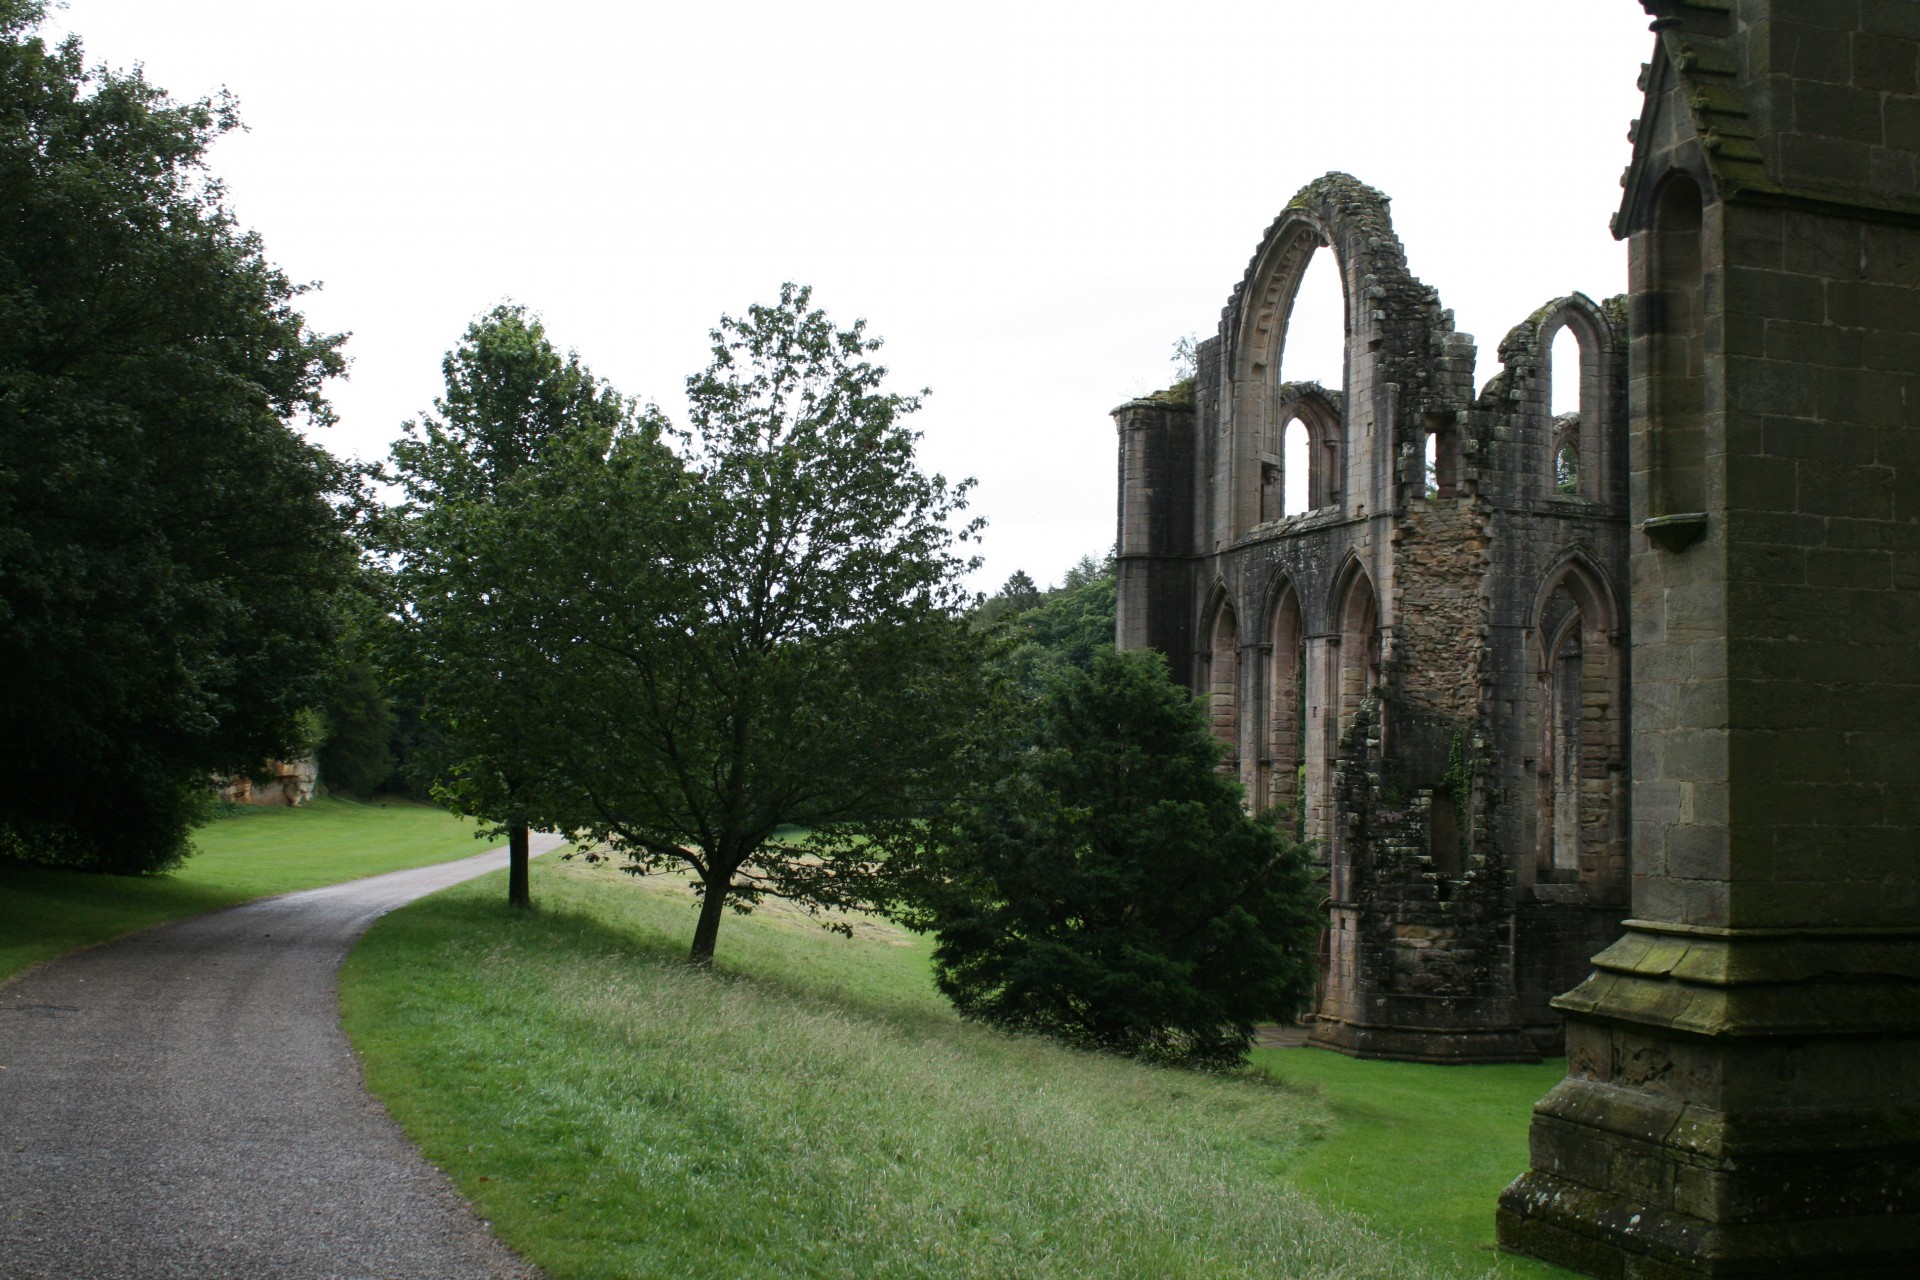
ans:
(288, 783)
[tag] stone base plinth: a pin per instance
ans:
(1736, 1104)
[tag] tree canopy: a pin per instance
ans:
(170, 546)
(1105, 885)
(759, 658)
(1062, 626)
(464, 644)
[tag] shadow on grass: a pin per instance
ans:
(46, 911)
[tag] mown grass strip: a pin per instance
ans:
(246, 853)
(1425, 1148)
(810, 1109)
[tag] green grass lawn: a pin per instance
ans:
(1423, 1148)
(246, 853)
(813, 1108)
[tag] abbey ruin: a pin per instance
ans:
(1607, 716)
(1425, 664)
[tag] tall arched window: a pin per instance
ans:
(1316, 346)
(1286, 717)
(1566, 379)
(1359, 648)
(1288, 360)
(1295, 452)
(1578, 717)
(1223, 686)
(1563, 372)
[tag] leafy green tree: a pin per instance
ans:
(463, 648)
(762, 630)
(1105, 885)
(1063, 627)
(170, 547)
(1018, 594)
(357, 755)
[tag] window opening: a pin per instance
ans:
(1566, 460)
(1296, 462)
(1564, 373)
(1316, 343)
(1443, 832)
(1566, 745)
(1440, 460)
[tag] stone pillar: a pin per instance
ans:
(1153, 560)
(1743, 1072)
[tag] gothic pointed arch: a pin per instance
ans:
(1336, 211)
(1579, 816)
(1349, 219)
(1394, 331)
(1354, 607)
(1220, 674)
(1282, 779)
(1579, 569)
(1568, 455)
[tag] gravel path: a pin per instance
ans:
(182, 1103)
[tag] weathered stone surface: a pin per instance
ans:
(281, 782)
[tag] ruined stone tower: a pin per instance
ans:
(1743, 1070)
(1425, 664)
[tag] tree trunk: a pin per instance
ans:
(519, 889)
(712, 903)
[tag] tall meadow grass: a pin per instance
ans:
(810, 1108)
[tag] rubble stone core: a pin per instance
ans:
(1743, 1076)
(1425, 666)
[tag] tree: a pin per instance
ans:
(463, 649)
(1065, 626)
(357, 754)
(1019, 593)
(170, 547)
(1106, 887)
(760, 631)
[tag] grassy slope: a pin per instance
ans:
(247, 854)
(615, 1114)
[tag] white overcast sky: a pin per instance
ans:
(1029, 201)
